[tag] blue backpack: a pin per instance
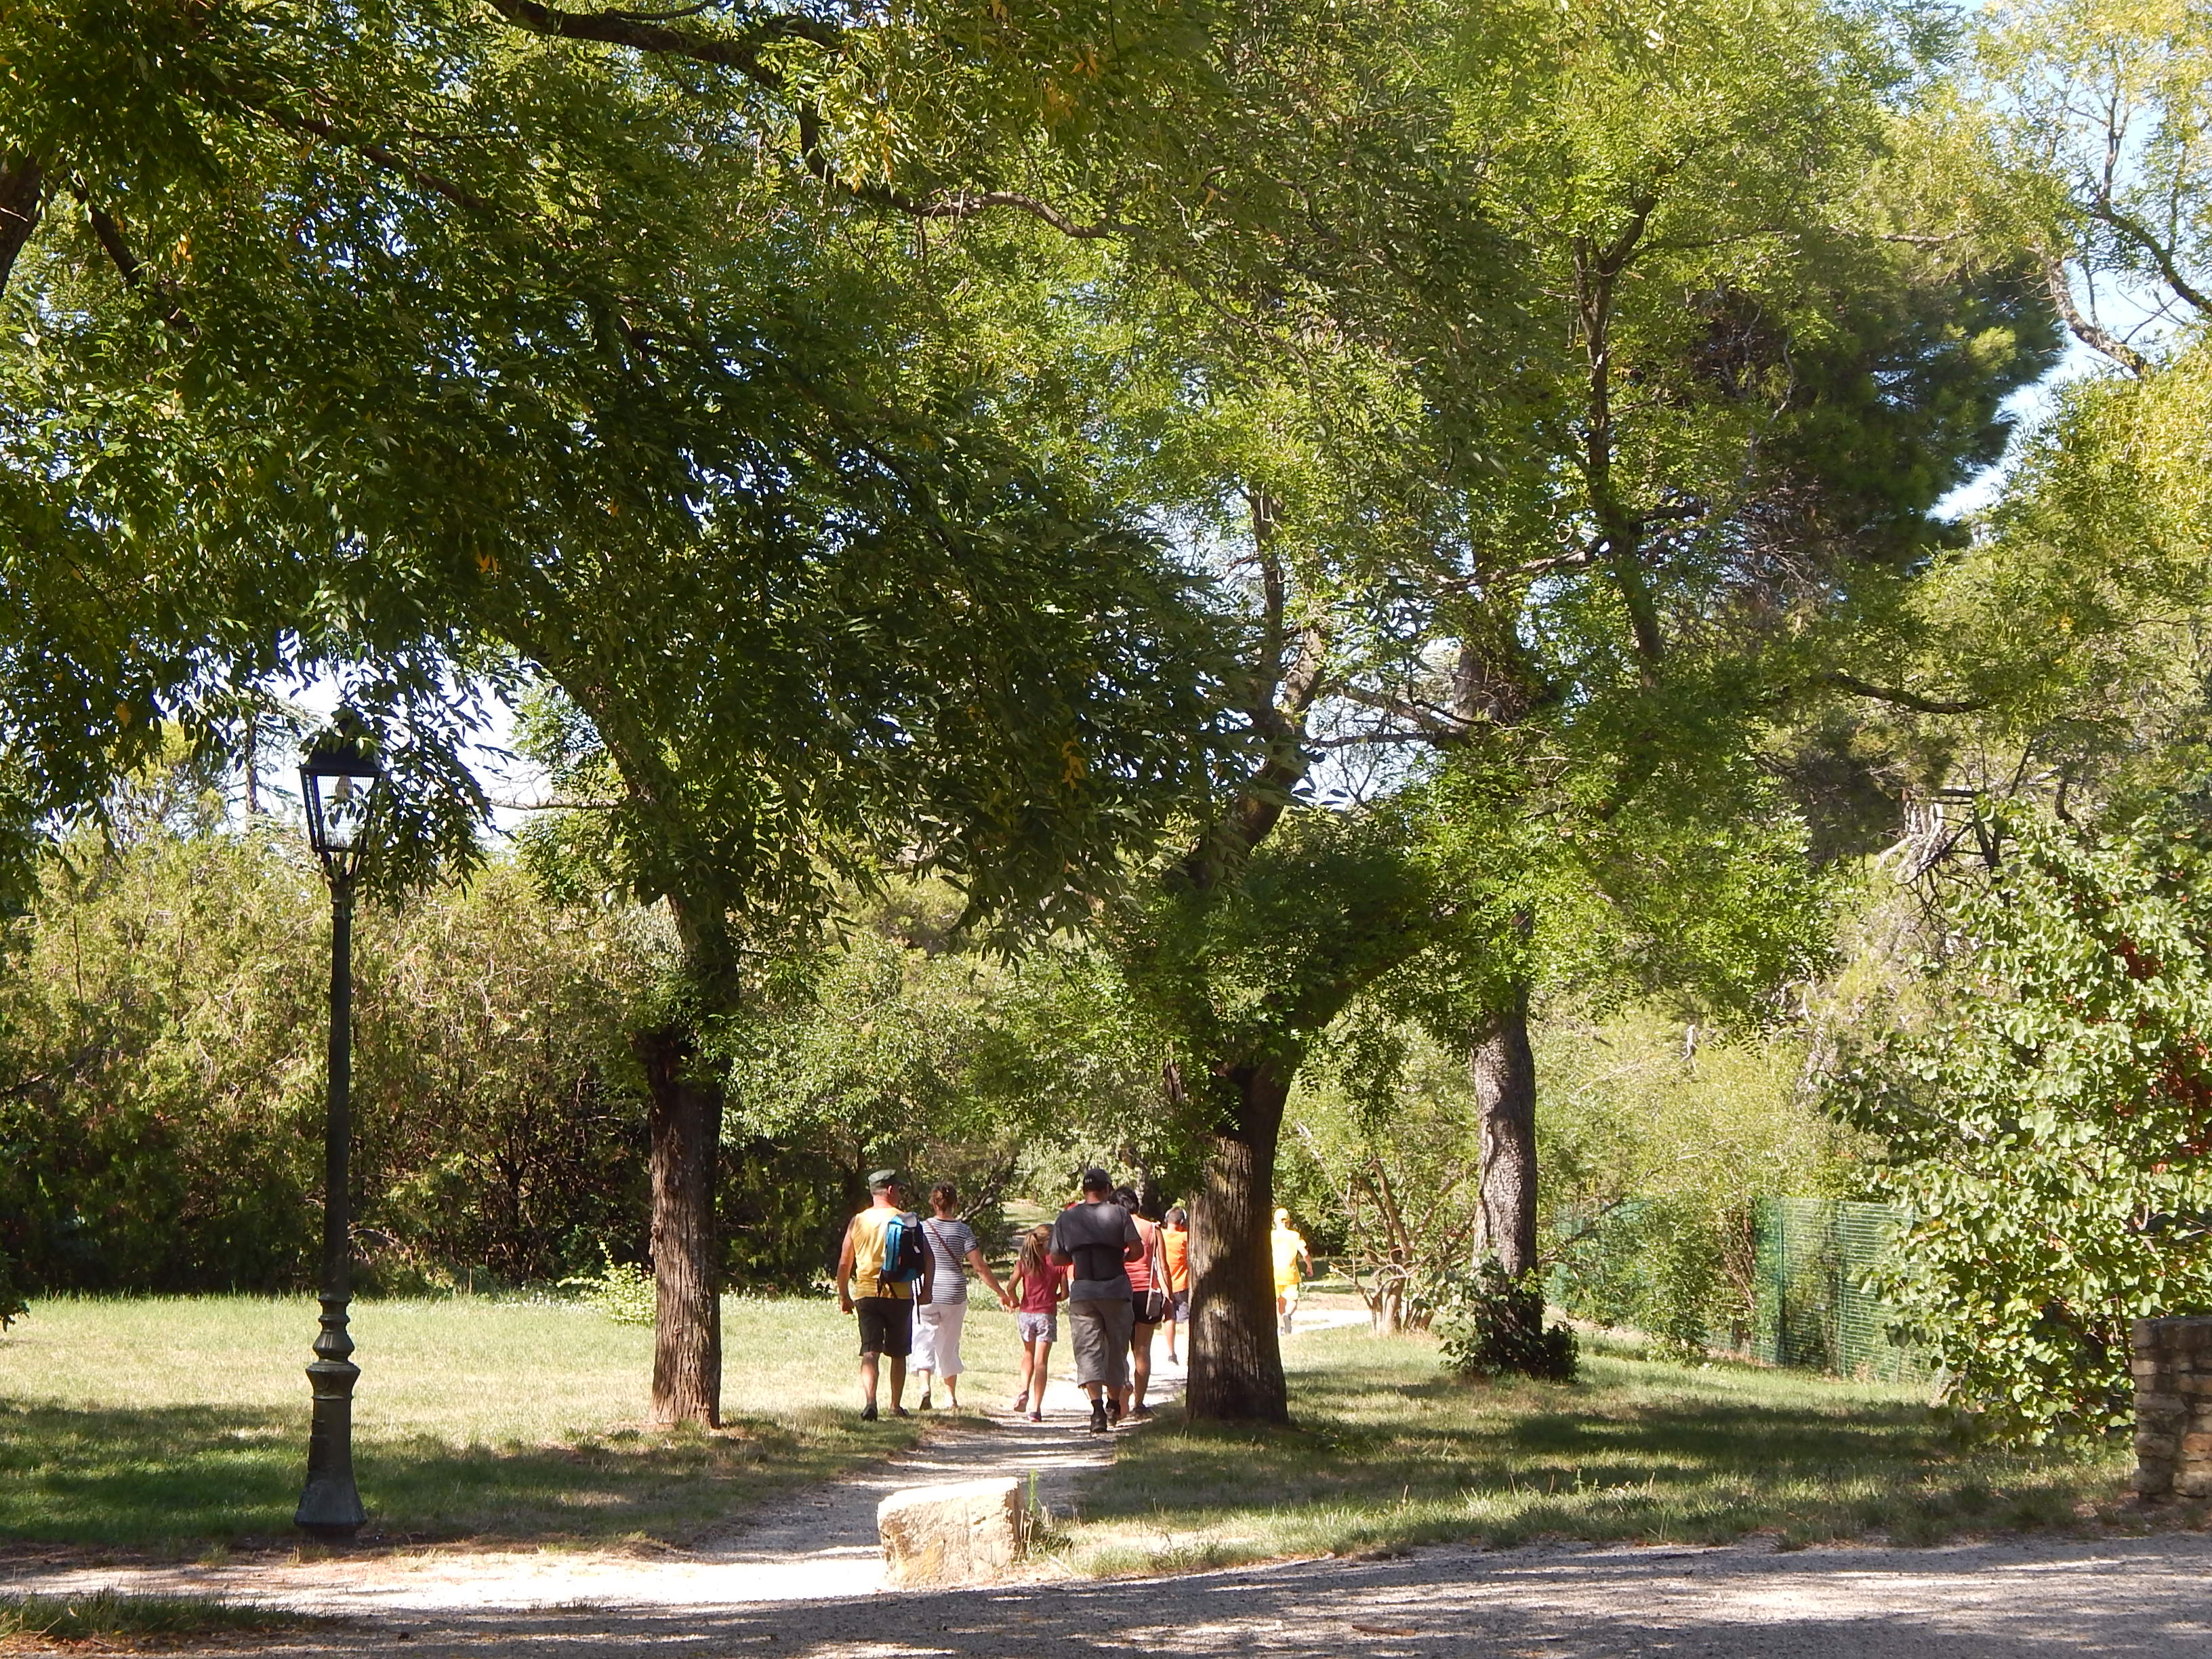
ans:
(903, 1250)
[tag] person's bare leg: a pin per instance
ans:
(952, 1392)
(867, 1379)
(1043, 1360)
(898, 1383)
(1140, 1364)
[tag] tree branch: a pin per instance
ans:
(640, 32)
(389, 160)
(22, 196)
(1912, 700)
(2161, 254)
(2090, 334)
(110, 236)
(637, 32)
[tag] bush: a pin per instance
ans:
(13, 1303)
(2051, 1123)
(1668, 1266)
(162, 1024)
(1494, 1326)
(620, 1290)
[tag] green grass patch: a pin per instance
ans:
(106, 1617)
(179, 1424)
(1388, 1452)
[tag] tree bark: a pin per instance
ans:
(684, 1119)
(21, 198)
(1235, 1360)
(1505, 1070)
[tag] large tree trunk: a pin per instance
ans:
(684, 1116)
(1505, 1089)
(1236, 1361)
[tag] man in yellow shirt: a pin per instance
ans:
(1290, 1248)
(884, 1304)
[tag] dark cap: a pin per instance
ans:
(879, 1179)
(1098, 1181)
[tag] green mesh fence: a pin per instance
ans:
(1811, 1309)
(1656, 1266)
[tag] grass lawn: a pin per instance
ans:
(180, 1424)
(1388, 1452)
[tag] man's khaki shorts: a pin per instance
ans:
(1100, 1330)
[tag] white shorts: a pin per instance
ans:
(937, 1337)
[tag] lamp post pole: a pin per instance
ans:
(339, 789)
(331, 1508)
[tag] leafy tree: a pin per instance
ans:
(1546, 520)
(2091, 114)
(2047, 1122)
(641, 394)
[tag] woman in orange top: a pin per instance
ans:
(1175, 1245)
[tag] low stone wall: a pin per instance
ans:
(2173, 1366)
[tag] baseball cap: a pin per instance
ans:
(1098, 1181)
(879, 1179)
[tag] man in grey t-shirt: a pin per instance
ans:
(1098, 1240)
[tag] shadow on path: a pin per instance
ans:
(2133, 1599)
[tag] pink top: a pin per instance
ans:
(1040, 1292)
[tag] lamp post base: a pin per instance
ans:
(330, 1507)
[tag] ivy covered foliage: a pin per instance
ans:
(1495, 1328)
(2049, 1125)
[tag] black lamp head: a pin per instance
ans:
(339, 781)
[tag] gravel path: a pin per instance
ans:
(2135, 1597)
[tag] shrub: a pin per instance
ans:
(2052, 1125)
(620, 1290)
(13, 1304)
(1494, 1326)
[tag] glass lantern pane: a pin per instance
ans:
(345, 803)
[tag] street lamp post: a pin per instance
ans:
(339, 785)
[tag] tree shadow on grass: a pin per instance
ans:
(1376, 1459)
(180, 1478)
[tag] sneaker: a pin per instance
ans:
(1098, 1423)
(901, 1410)
(1113, 1411)
(1141, 1411)
(1036, 1417)
(868, 1412)
(1021, 1402)
(922, 1404)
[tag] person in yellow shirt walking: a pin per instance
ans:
(1291, 1256)
(883, 1270)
